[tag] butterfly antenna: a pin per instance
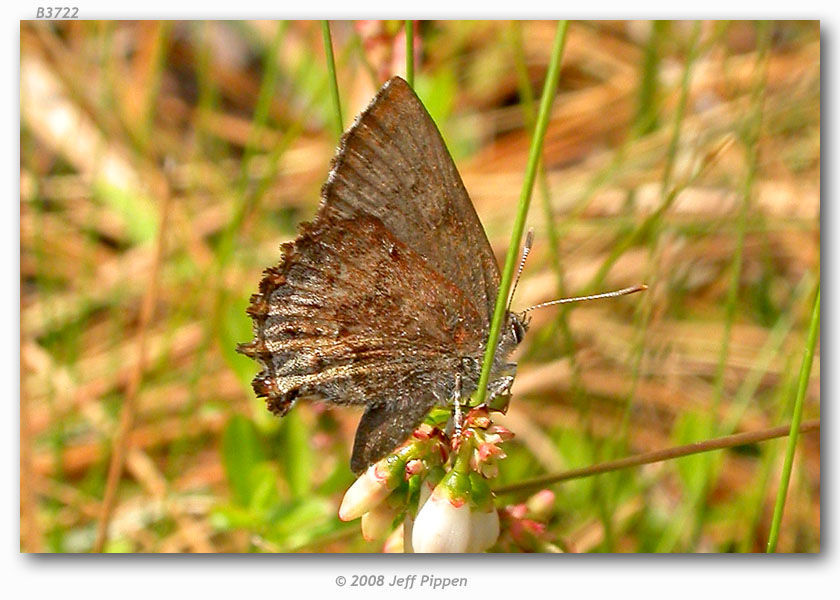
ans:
(622, 292)
(526, 250)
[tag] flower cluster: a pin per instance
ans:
(437, 486)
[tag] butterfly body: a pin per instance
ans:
(385, 299)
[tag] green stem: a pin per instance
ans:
(526, 94)
(409, 52)
(328, 50)
(462, 460)
(549, 91)
(804, 375)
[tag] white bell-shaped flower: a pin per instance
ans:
(444, 521)
(367, 491)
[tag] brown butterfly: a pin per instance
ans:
(385, 299)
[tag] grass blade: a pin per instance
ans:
(804, 375)
(328, 50)
(549, 91)
(409, 52)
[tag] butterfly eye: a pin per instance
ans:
(518, 330)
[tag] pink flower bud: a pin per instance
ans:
(516, 511)
(475, 460)
(486, 451)
(526, 533)
(367, 491)
(541, 504)
(478, 417)
(414, 467)
(503, 433)
(424, 432)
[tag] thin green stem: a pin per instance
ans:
(526, 94)
(804, 376)
(783, 397)
(328, 50)
(409, 52)
(646, 113)
(549, 91)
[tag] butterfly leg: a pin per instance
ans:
(498, 390)
(502, 385)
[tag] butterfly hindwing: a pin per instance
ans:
(385, 426)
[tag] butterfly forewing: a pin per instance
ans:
(394, 165)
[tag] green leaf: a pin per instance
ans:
(263, 485)
(303, 522)
(241, 453)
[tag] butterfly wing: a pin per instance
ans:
(385, 426)
(393, 165)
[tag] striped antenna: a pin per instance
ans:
(622, 292)
(526, 250)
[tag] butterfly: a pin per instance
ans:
(385, 299)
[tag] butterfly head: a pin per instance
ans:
(513, 332)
